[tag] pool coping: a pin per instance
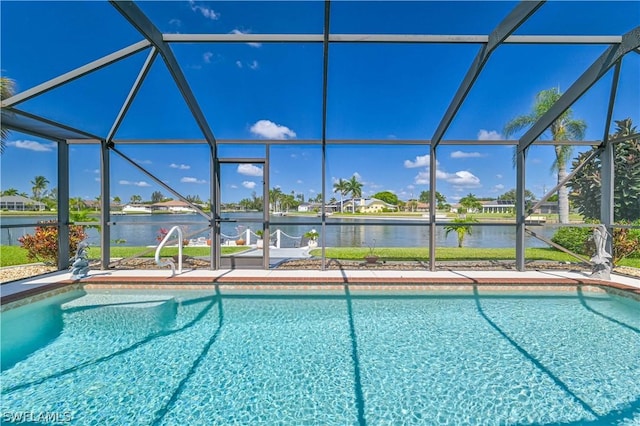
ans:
(29, 290)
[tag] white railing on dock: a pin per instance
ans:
(170, 262)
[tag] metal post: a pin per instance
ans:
(432, 203)
(214, 206)
(105, 206)
(266, 218)
(520, 208)
(325, 70)
(607, 158)
(63, 205)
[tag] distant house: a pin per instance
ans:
(136, 209)
(368, 205)
(413, 205)
(20, 203)
(308, 207)
(548, 207)
(173, 206)
(498, 206)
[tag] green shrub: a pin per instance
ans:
(626, 242)
(574, 239)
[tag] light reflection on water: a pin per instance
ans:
(143, 230)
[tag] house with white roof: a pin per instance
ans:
(20, 203)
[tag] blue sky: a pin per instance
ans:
(264, 91)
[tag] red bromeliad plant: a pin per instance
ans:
(162, 232)
(43, 245)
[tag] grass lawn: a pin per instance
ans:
(443, 253)
(16, 255)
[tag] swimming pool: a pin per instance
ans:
(335, 358)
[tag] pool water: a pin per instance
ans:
(340, 358)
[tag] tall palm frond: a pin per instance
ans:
(564, 128)
(7, 89)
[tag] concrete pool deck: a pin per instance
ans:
(311, 279)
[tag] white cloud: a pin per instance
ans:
(33, 145)
(239, 64)
(204, 11)
(299, 181)
(357, 175)
(422, 178)
(498, 187)
(392, 136)
(249, 184)
(236, 31)
(499, 176)
(141, 183)
(234, 186)
(464, 179)
(489, 135)
(462, 154)
(142, 161)
(179, 166)
(270, 130)
(410, 187)
(254, 65)
(175, 22)
(249, 170)
(192, 180)
(206, 56)
(421, 161)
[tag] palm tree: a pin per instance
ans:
(461, 227)
(136, 199)
(10, 191)
(355, 188)
(341, 187)
(275, 197)
(565, 127)
(39, 185)
(7, 87)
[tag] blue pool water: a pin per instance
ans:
(202, 358)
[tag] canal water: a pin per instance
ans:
(143, 230)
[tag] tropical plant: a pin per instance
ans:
(10, 191)
(275, 196)
(39, 186)
(354, 187)
(7, 88)
(312, 235)
(461, 226)
(471, 203)
(587, 183)
(135, 199)
(341, 187)
(43, 245)
(564, 128)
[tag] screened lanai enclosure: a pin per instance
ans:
(260, 125)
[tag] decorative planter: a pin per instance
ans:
(240, 242)
(313, 244)
(260, 243)
(371, 259)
